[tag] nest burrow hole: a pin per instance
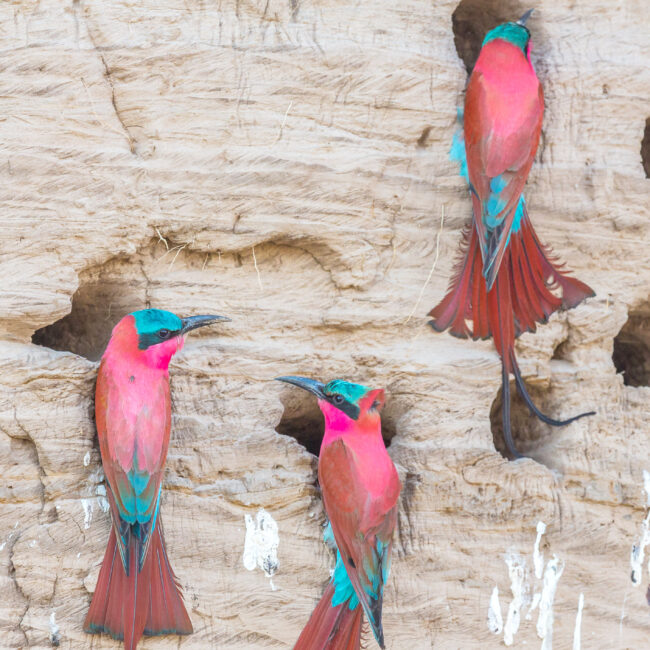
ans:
(645, 148)
(631, 355)
(102, 299)
(530, 435)
(473, 19)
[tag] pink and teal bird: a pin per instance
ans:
(137, 591)
(360, 489)
(506, 281)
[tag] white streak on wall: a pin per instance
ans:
(577, 630)
(536, 598)
(87, 505)
(620, 623)
(538, 558)
(87, 459)
(552, 575)
(261, 544)
(637, 554)
(495, 620)
(102, 501)
(638, 551)
(96, 476)
(2, 546)
(55, 633)
(517, 573)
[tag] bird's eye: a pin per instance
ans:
(163, 333)
(338, 399)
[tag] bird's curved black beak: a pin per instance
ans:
(525, 17)
(311, 385)
(192, 322)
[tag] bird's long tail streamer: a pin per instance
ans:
(524, 294)
(147, 601)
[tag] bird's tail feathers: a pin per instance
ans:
(528, 282)
(147, 602)
(528, 288)
(332, 628)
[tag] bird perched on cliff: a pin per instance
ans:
(137, 591)
(360, 489)
(506, 282)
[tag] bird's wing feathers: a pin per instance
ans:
(134, 492)
(363, 527)
(501, 137)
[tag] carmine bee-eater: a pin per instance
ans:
(360, 489)
(506, 281)
(137, 591)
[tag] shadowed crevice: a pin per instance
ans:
(530, 435)
(561, 351)
(302, 419)
(645, 149)
(631, 355)
(105, 294)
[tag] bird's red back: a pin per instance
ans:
(504, 108)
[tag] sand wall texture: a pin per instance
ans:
(285, 162)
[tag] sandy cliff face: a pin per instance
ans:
(285, 163)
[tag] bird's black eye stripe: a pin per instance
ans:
(338, 400)
(154, 337)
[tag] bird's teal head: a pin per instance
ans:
(345, 405)
(154, 326)
(154, 335)
(515, 33)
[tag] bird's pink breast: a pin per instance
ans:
(374, 466)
